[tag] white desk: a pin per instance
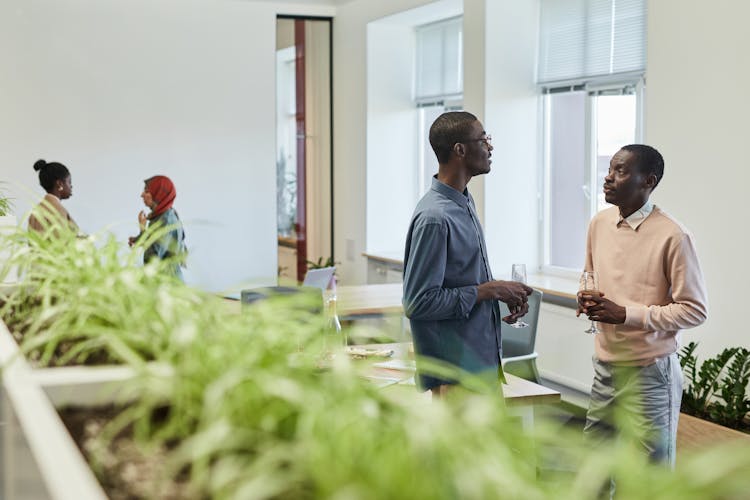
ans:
(521, 395)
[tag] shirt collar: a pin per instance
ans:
(461, 198)
(636, 218)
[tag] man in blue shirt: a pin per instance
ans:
(450, 297)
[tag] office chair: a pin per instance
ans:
(519, 356)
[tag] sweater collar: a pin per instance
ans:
(636, 218)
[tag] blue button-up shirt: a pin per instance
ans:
(445, 260)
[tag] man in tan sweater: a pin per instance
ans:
(651, 287)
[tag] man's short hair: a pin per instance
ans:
(448, 129)
(648, 159)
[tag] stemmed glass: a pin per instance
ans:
(590, 285)
(518, 273)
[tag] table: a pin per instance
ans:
(521, 395)
(369, 300)
(360, 300)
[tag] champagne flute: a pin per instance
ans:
(589, 284)
(518, 273)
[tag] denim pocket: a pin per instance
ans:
(662, 369)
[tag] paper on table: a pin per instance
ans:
(406, 365)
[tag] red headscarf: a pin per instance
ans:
(163, 192)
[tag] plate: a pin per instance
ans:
(364, 353)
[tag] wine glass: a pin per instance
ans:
(590, 285)
(518, 273)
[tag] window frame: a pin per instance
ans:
(442, 26)
(593, 88)
(448, 101)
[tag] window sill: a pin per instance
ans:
(557, 290)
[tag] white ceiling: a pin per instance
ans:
(309, 2)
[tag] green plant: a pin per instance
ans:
(733, 392)
(85, 300)
(248, 406)
(6, 204)
(251, 414)
(717, 390)
(320, 263)
(286, 196)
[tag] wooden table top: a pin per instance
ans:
(361, 300)
(371, 300)
(364, 300)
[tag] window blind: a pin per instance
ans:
(439, 64)
(584, 39)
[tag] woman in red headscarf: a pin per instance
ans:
(158, 195)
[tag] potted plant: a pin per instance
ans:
(247, 414)
(715, 402)
(242, 405)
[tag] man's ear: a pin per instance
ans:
(459, 149)
(651, 181)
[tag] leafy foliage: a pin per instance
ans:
(255, 403)
(733, 392)
(85, 300)
(320, 263)
(6, 205)
(717, 390)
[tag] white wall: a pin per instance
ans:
(393, 145)
(512, 188)
(499, 64)
(350, 129)
(475, 97)
(697, 112)
(392, 148)
(121, 90)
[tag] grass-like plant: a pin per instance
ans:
(88, 299)
(251, 414)
(6, 204)
(250, 407)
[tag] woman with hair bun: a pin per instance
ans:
(55, 178)
(158, 195)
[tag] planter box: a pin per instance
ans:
(694, 433)
(39, 458)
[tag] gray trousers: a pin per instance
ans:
(640, 403)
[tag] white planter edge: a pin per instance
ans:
(64, 471)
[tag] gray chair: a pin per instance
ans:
(519, 356)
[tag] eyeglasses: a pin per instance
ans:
(487, 140)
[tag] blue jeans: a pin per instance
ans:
(637, 402)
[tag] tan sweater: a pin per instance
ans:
(48, 210)
(653, 271)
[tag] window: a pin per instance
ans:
(286, 137)
(438, 84)
(591, 66)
